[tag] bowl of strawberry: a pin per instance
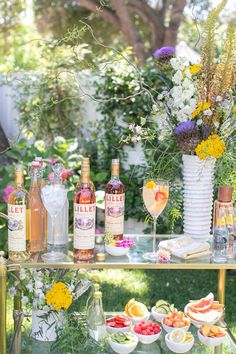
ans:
(147, 331)
(118, 324)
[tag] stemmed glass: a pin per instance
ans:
(155, 197)
(54, 197)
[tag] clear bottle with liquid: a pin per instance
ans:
(38, 217)
(96, 318)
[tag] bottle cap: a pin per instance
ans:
(225, 194)
(115, 161)
(19, 168)
(115, 167)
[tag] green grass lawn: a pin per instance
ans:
(147, 286)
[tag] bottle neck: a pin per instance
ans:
(19, 180)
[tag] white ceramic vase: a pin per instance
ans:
(45, 325)
(198, 196)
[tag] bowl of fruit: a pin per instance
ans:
(123, 343)
(211, 335)
(204, 311)
(118, 324)
(136, 311)
(175, 320)
(179, 341)
(162, 309)
(147, 331)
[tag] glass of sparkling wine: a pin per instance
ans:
(155, 197)
(54, 197)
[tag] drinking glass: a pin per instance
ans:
(54, 197)
(155, 197)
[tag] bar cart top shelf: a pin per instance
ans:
(134, 259)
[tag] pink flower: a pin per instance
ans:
(51, 176)
(126, 243)
(98, 232)
(65, 174)
(7, 192)
(163, 256)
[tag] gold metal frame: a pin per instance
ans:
(3, 304)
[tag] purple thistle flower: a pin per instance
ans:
(164, 52)
(185, 128)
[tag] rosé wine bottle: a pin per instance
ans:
(84, 215)
(115, 202)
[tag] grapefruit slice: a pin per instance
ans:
(208, 317)
(203, 304)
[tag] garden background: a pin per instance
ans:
(70, 80)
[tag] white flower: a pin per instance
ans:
(226, 104)
(132, 127)
(177, 78)
(207, 112)
(218, 98)
(199, 122)
(38, 284)
(179, 63)
(138, 130)
(154, 106)
(12, 291)
(22, 274)
(40, 145)
(71, 287)
(135, 138)
(216, 124)
(29, 286)
(24, 300)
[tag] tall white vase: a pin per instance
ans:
(198, 196)
(45, 325)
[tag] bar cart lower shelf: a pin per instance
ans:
(24, 344)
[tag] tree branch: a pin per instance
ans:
(104, 12)
(175, 21)
(129, 29)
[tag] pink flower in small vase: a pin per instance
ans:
(163, 256)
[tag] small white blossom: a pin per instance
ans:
(12, 291)
(22, 274)
(199, 122)
(177, 78)
(132, 127)
(143, 121)
(138, 130)
(38, 284)
(207, 112)
(24, 300)
(216, 124)
(29, 286)
(135, 138)
(218, 98)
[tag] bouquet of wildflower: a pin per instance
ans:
(196, 108)
(49, 290)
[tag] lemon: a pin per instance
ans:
(178, 336)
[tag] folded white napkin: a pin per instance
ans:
(186, 248)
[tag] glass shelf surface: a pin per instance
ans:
(134, 259)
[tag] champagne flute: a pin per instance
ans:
(155, 197)
(54, 196)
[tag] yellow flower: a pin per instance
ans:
(59, 297)
(193, 69)
(201, 107)
(213, 146)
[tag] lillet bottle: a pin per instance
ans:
(115, 202)
(18, 213)
(84, 215)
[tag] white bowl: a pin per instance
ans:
(212, 342)
(159, 316)
(148, 339)
(116, 251)
(123, 348)
(178, 347)
(169, 329)
(198, 324)
(115, 330)
(135, 320)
